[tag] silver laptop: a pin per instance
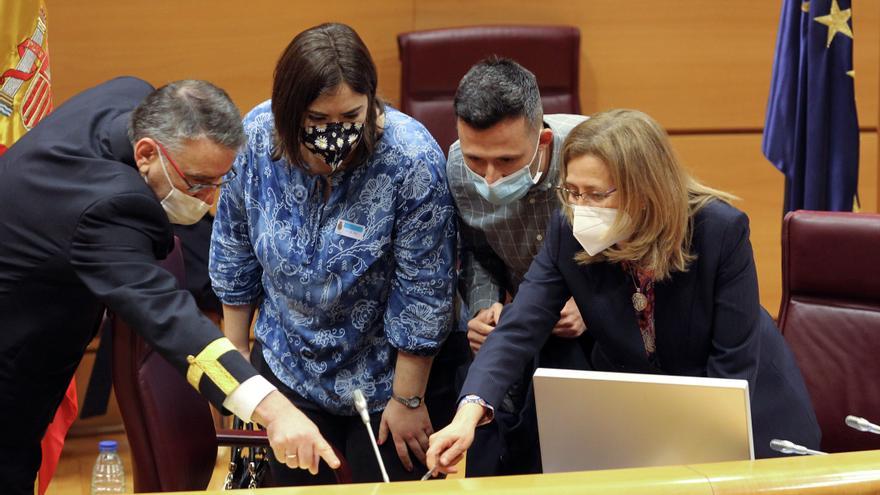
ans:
(598, 420)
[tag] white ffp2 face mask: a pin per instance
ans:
(592, 228)
(180, 207)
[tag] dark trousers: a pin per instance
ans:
(444, 382)
(510, 444)
(35, 371)
(346, 433)
(18, 471)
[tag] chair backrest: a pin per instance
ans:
(830, 317)
(169, 425)
(433, 62)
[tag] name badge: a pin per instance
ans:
(350, 229)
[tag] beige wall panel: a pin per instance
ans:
(734, 163)
(692, 64)
(866, 58)
(234, 44)
(868, 172)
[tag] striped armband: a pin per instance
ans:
(207, 363)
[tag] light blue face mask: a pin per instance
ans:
(508, 189)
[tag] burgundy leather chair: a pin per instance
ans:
(830, 317)
(169, 425)
(433, 62)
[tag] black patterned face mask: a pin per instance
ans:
(332, 141)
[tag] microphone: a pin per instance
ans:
(862, 424)
(360, 403)
(787, 447)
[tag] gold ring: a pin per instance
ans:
(291, 456)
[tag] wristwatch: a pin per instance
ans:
(411, 402)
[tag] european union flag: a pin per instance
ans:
(812, 132)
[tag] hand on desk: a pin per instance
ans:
(295, 440)
(449, 444)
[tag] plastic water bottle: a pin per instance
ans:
(108, 476)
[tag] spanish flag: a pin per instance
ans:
(25, 98)
(25, 92)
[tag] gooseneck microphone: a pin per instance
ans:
(862, 424)
(360, 403)
(787, 447)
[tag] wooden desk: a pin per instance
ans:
(853, 473)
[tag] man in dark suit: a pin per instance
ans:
(87, 199)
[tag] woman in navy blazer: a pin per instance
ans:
(662, 270)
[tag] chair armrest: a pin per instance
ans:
(242, 438)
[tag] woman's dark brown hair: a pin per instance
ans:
(317, 60)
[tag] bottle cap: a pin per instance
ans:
(107, 446)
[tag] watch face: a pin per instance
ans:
(410, 402)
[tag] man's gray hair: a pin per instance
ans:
(496, 89)
(184, 110)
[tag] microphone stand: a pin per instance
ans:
(360, 403)
(862, 424)
(787, 447)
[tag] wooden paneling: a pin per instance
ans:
(868, 192)
(734, 163)
(692, 64)
(233, 44)
(866, 55)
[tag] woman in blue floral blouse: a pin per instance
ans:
(339, 227)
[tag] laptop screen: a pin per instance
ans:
(600, 420)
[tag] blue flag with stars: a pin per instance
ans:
(812, 132)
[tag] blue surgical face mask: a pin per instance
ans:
(508, 189)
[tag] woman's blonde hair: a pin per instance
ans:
(657, 194)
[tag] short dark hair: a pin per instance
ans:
(317, 60)
(187, 109)
(496, 89)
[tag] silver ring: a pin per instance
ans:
(291, 456)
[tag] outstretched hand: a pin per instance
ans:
(294, 438)
(447, 446)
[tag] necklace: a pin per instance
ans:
(639, 299)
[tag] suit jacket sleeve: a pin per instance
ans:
(736, 321)
(113, 251)
(525, 324)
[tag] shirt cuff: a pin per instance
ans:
(488, 411)
(245, 398)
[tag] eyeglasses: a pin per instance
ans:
(592, 197)
(197, 187)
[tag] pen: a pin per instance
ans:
(429, 473)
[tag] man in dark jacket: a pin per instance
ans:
(87, 199)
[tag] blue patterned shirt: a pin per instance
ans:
(340, 284)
